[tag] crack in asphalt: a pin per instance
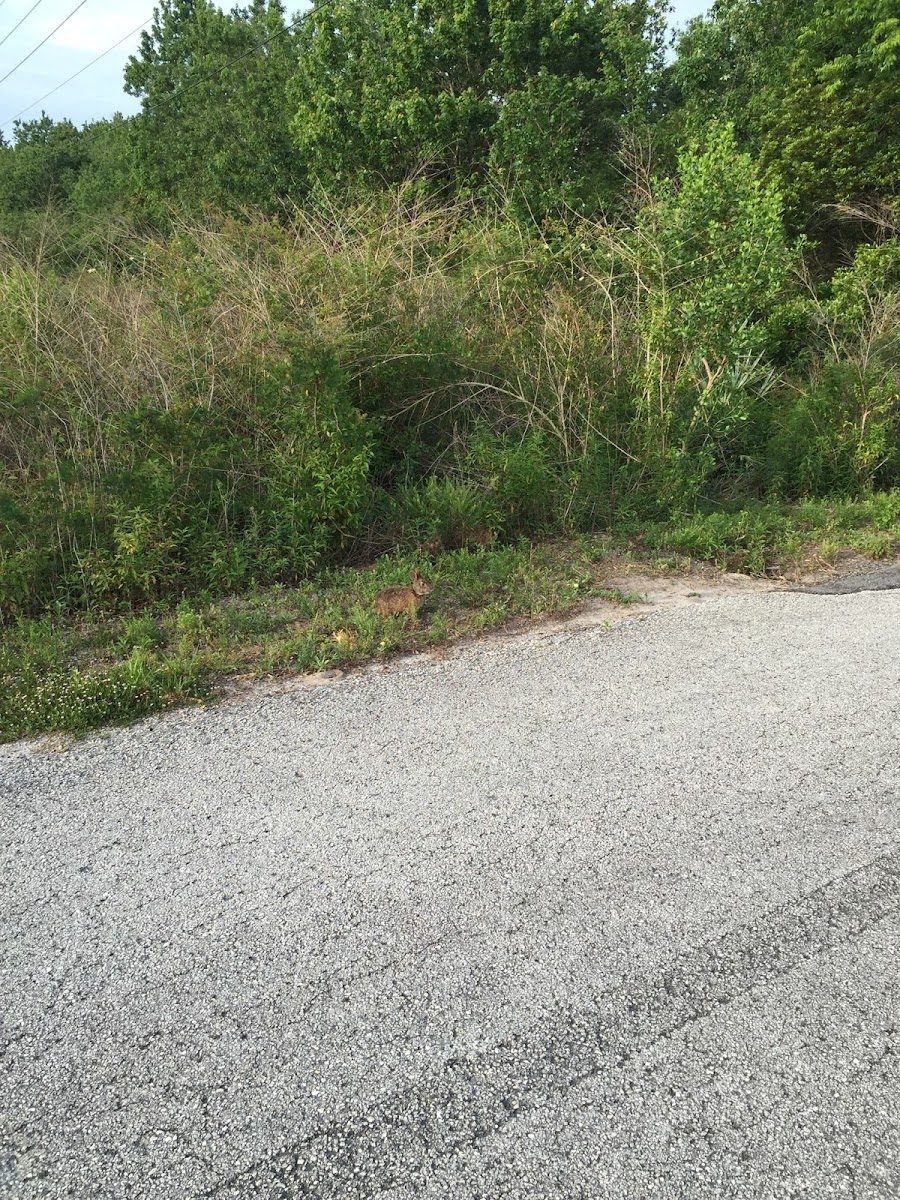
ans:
(399, 1138)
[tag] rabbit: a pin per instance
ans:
(395, 600)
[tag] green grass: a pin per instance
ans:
(62, 674)
(67, 675)
(776, 538)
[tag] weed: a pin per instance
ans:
(63, 674)
(268, 402)
(59, 673)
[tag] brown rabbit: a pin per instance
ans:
(395, 600)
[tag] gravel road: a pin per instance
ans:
(603, 913)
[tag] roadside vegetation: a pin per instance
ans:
(534, 298)
(75, 674)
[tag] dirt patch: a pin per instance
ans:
(647, 590)
(666, 589)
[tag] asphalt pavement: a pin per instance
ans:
(878, 577)
(598, 913)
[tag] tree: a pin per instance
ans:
(213, 124)
(809, 86)
(531, 92)
(106, 179)
(42, 166)
(832, 131)
(730, 61)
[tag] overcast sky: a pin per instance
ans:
(97, 25)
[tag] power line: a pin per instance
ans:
(185, 88)
(86, 67)
(22, 62)
(24, 19)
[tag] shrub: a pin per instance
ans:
(711, 262)
(191, 496)
(840, 431)
(242, 402)
(437, 514)
(841, 437)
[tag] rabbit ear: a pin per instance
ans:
(414, 574)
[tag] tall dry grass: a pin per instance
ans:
(195, 389)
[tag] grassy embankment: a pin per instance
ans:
(76, 674)
(204, 436)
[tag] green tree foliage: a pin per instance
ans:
(832, 129)
(214, 124)
(528, 92)
(105, 180)
(730, 62)
(42, 166)
(809, 85)
(77, 179)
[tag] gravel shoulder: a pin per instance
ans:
(607, 909)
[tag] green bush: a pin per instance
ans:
(713, 264)
(243, 402)
(518, 471)
(440, 513)
(842, 437)
(190, 497)
(840, 433)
